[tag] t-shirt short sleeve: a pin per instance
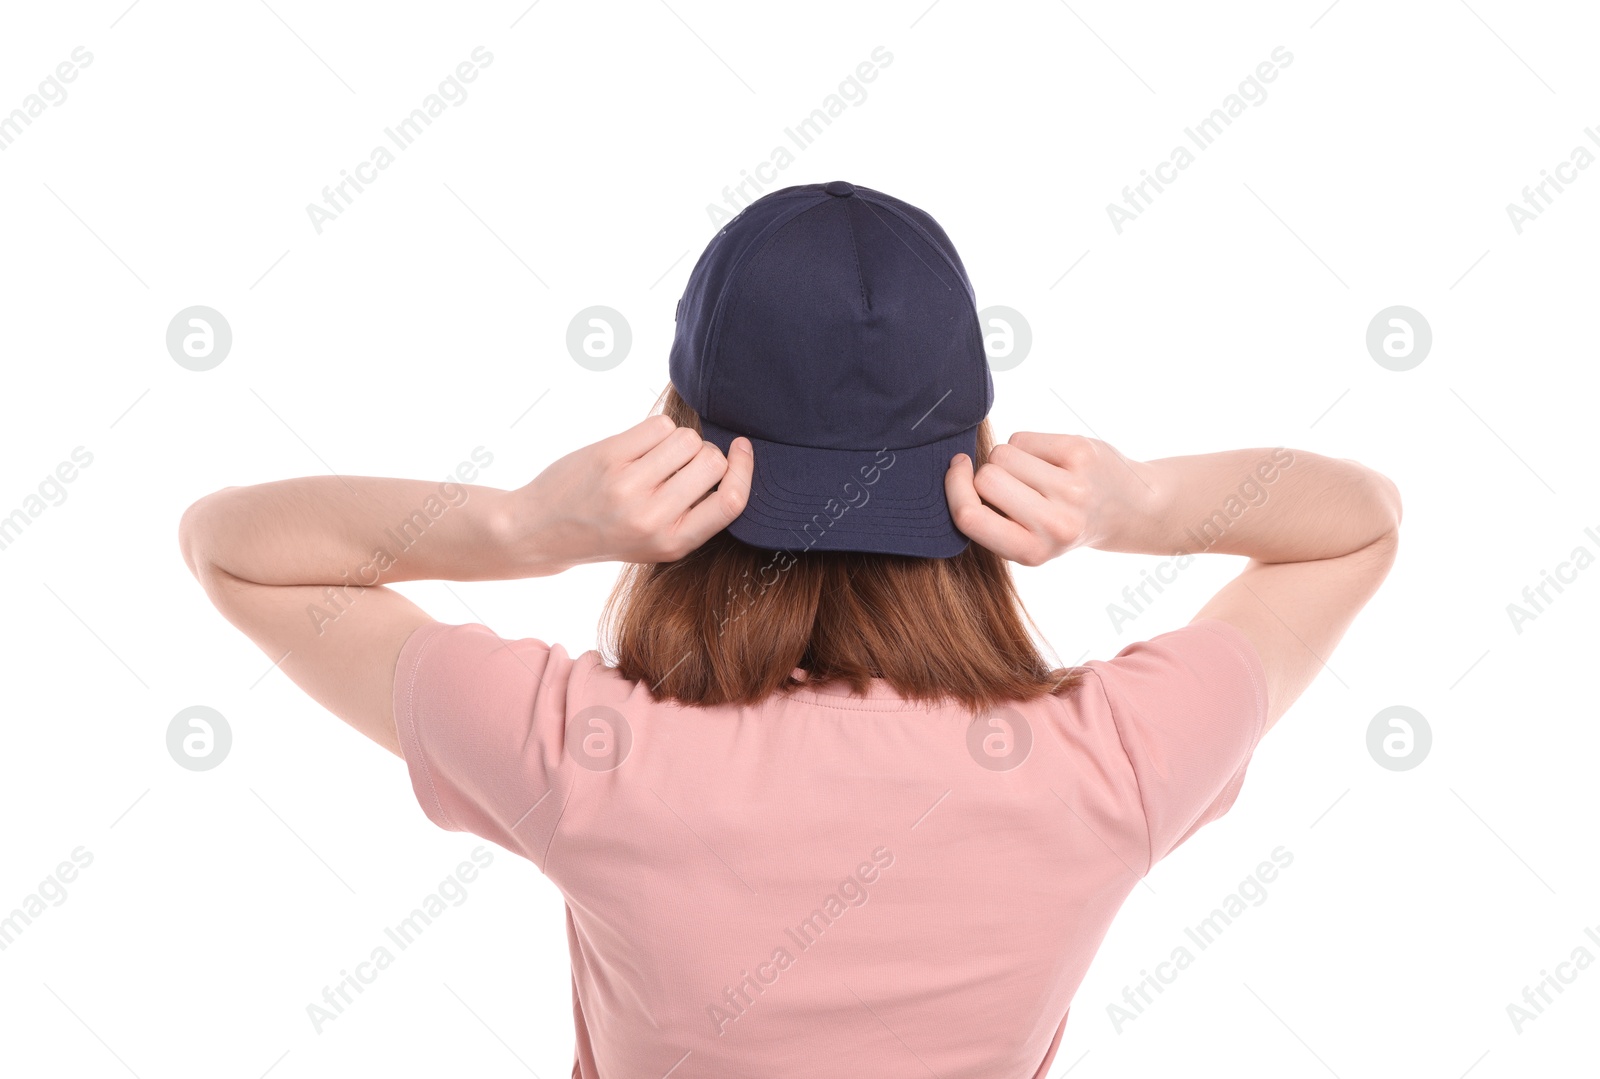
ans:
(481, 722)
(1189, 708)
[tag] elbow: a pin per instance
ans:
(1390, 496)
(194, 532)
(1374, 495)
(1385, 547)
(1380, 554)
(191, 527)
(1386, 506)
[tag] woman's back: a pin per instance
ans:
(771, 876)
(827, 883)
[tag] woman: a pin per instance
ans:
(825, 811)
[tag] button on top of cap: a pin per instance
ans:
(838, 187)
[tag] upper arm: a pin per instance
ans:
(338, 644)
(1294, 613)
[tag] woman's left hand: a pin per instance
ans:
(652, 493)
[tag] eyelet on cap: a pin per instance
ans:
(839, 187)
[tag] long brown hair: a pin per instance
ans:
(728, 623)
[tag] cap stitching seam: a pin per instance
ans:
(728, 299)
(831, 449)
(855, 256)
(967, 290)
(931, 476)
(929, 240)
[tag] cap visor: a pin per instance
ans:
(888, 501)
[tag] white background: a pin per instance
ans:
(429, 317)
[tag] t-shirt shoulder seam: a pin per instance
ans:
(435, 629)
(1215, 627)
(598, 663)
(1144, 809)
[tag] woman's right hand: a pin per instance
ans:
(652, 493)
(1041, 495)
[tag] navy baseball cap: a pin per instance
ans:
(834, 326)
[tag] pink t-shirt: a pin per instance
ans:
(824, 884)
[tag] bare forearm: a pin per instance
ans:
(1273, 505)
(354, 530)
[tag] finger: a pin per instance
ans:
(668, 456)
(692, 480)
(976, 521)
(641, 438)
(1041, 475)
(1008, 494)
(1063, 451)
(717, 510)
